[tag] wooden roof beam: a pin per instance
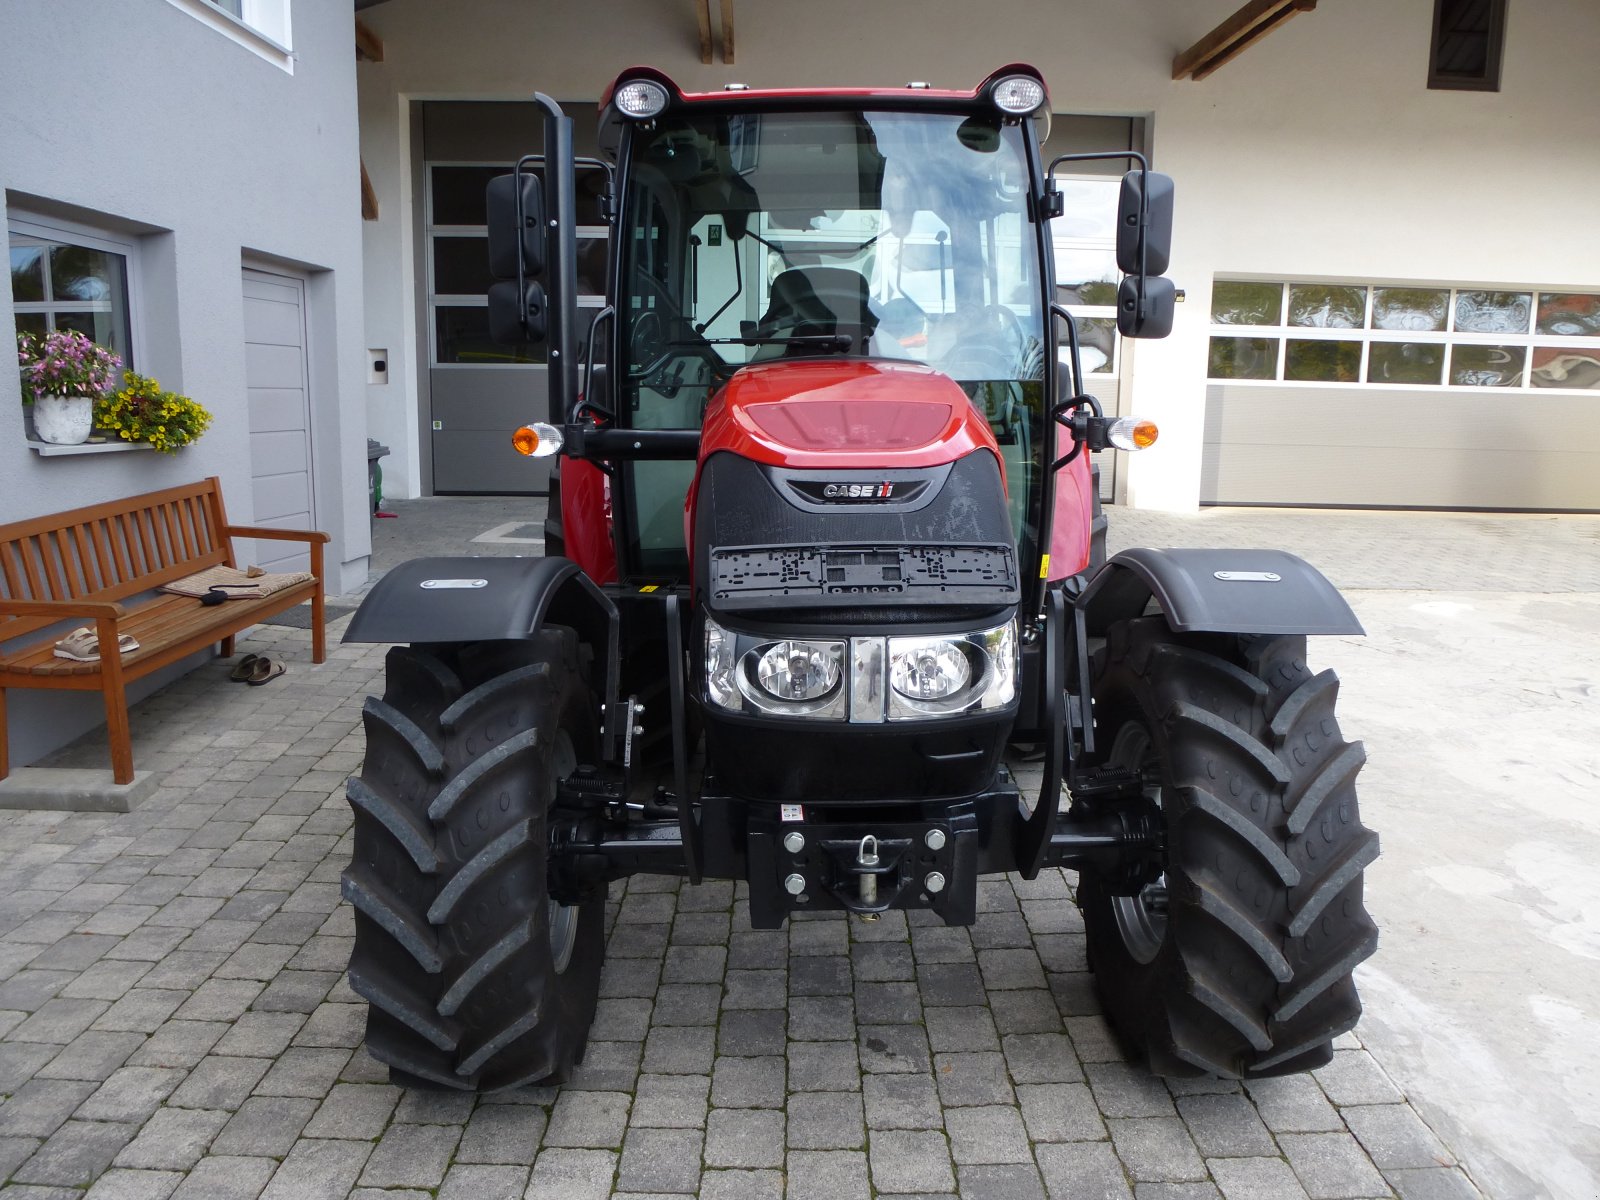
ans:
(702, 13)
(369, 46)
(1236, 35)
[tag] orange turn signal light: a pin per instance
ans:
(1145, 434)
(537, 440)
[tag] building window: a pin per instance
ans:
(1468, 36)
(1388, 335)
(68, 280)
(260, 26)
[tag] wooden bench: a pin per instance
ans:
(94, 564)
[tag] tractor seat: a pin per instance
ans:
(813, 301)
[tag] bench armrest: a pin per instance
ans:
(62, 609)
(276, 535)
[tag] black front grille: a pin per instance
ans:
(762, 577)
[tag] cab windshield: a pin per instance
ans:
(780, 235)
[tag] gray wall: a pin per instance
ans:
(140, 119)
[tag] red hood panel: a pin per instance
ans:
(844, 413)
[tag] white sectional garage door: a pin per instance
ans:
(280, 414)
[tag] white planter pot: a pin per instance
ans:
(63, 420)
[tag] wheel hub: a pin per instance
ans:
(1141, 919)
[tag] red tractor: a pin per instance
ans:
(823, 544)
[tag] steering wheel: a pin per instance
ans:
(990, 346)
(648, 345)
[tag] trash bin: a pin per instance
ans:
(375, 451)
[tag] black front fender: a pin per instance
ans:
(481, 600)
(1218, 591)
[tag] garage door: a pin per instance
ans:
(1402, 396)
(280, 414)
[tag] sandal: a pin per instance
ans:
(242, 668)
(264, 670)
(83, 645)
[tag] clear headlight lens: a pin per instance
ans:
(1018, 94)
(798, 670)
(930, 670)
(721, 657)
(640, 99)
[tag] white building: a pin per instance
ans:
(1431, 333)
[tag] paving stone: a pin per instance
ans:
(621, 1019)
(40, 1107)
(296, 991)
(130, 1094)
(823, 1066)
(75, 1154)
(484, 1183)
(608, 1067)
(318, 1170)
(1293, 1104)
(1123, 1090)
(753, 1032)
(229, 1178)
(1394, 1136)
(888, 1004)
(739, 1137)
(742, 1185)
(178, 1044)
(819, 975)
(419, 1107)
(59, 1021)
(141, 1010)
(1002, 1182)
(972, 1079)
(961, 1029)
(893, 1049)
(987, 1135)
(303, 1071)
(660, 1160)
(354, 1111)
(670, 1102)
(1073, 1170)
(1198, 1190)
(757, 948)
(219, 1082)
(119, 1183)
(1433, 1183)
(1060, 1112)
(267, 1125)
(588, 1120)
(332, 1024)
(687, 1051)
(1025, 1011)
(902, 1102)
(827, 1175)
(695, 964)
(1332, 1166)
(1156, 1148)
(749, 1082)
(950, 984)
(504, 1134)
(822, 1018)
(1255, 1179)
(411, 1156)
(173, 1139)
(910, 1160)
(260, 1034)
(826, 1121)
(108, 979)
(755, 989)
(572, 1175)
(828, 934)
(882, 961)
(220, 1000)
(1354, 1078)
(1226, 1127)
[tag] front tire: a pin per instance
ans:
(474, 978)
(1238, 961)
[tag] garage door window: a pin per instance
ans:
(1388, 335)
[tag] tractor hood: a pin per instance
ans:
(850, 490)
(842, 414)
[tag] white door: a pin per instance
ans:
(280, 414)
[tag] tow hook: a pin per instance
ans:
(867, 860)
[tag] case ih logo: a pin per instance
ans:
(857, 491)
(886, 491)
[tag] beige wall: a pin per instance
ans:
(1319, 153)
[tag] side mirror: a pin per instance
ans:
(1157, 232)
(515, 317)
(516, 226)
(1146, 311)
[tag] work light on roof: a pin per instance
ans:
(1018, 95)
(640, 99)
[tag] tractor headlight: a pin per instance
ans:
(1018, 95)
(942, 676)
(865, 680)
(640, 99)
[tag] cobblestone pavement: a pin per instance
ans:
(175, 1021)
